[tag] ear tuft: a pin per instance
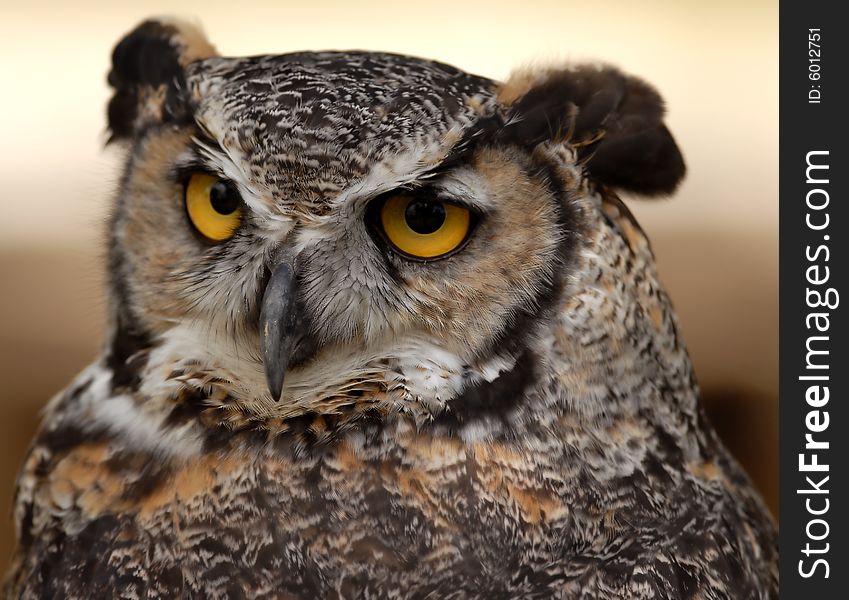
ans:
(614, 120)
(148, 74)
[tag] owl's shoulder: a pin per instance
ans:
(93, 500)
(725, 550)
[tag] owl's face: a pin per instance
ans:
(315, 228)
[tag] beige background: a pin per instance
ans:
(716, 63)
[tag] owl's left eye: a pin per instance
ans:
(213, 206)
(424, 227)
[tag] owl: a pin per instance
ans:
(379, 328)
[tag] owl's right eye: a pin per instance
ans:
(213, 206)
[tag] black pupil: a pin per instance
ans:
(223, 199)
(425, 216)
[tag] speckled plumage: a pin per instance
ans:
(518, 420)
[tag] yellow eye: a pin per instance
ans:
(214, 207)
(424, 228)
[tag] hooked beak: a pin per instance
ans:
(278, 325)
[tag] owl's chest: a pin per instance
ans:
(421, 518)
(412, 500)
(427, 515)
(430, 516)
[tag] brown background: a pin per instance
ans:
(716, 242)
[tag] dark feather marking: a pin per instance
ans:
(144, 475)
(493, 398)
(144, 58)
(25, 526)
(645, 162)
(128, 355)
(614, 120)
(66, 437)
(129, 337)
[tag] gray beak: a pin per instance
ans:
(278, 325)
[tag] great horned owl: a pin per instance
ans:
(382, 329)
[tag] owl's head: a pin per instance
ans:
(322, 231)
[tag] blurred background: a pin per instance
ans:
(716, 241)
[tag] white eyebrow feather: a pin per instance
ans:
(227, 164)
(410, 168)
